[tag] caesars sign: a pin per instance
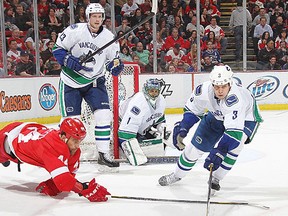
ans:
(14, 103)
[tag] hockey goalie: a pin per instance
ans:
(57, 151)
(142, 124)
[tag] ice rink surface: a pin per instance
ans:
(259, 176)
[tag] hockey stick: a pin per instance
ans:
(209, 189)
(153, 12)
(191, 201)
(151, 160)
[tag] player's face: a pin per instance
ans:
(73, 144)
(221, 91)
(95, 21)
(153, 93)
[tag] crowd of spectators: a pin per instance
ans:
(176, 40)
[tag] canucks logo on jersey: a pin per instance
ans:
(91, 60)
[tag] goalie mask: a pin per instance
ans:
(73, 127)
(221, 75)
(151, 91)
(94, 8)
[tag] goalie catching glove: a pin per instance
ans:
(115, 66)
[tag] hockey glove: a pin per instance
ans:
(48, 188)
(95, 192)
(216, 157)
(73, 63)
(178, 136)
(115, 66)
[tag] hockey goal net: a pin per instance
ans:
(118, 88)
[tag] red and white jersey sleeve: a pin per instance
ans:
(37, 145)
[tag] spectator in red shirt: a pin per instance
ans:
(173, 39)
(146, 7)
(15, 35)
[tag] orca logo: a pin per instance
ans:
(264, 86)
(285, 91)
(237, 81)
(122, 92)
(47, 96)
(165, 88)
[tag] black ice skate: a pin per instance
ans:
(107, 164)
(6, 163)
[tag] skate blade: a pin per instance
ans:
(106, 169)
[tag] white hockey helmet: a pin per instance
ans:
(221, 75)
(148, 85)
(94, 8)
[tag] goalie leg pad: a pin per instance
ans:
(133, 152)
(152, 147)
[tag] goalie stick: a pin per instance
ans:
(151, 160)
(153, 12)
(191, 201)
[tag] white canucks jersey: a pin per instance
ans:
(80, 41)
(138, 115)
(239, 105)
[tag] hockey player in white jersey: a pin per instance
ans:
(142, 123)
(78, 82)
(231, 121)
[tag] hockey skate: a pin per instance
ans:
(215, 186)
(6, 163)
(168, 179)
(106, 163)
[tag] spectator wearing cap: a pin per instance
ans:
(175, 53)
(25, 67)
(53, 67)
(265, 54)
